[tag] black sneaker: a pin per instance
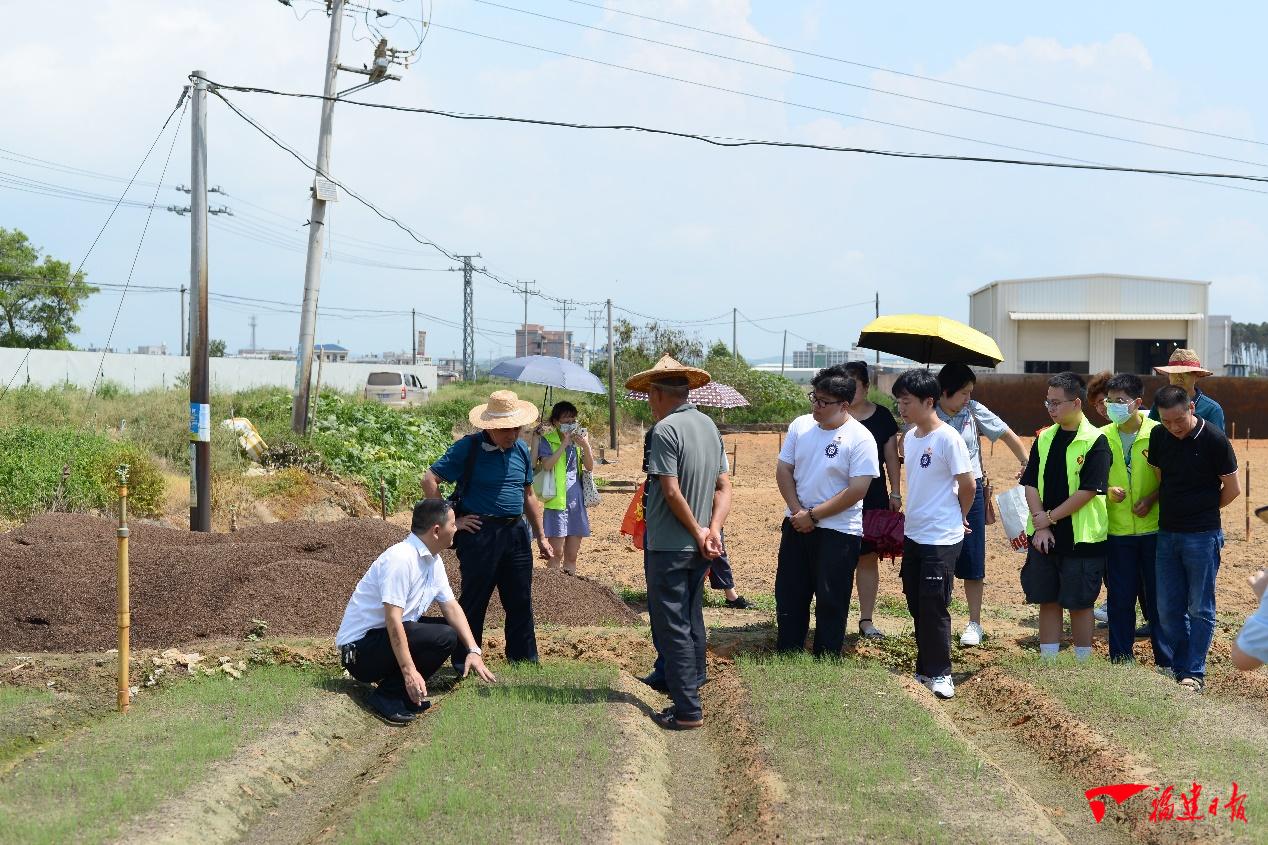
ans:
(390, 708)
(1144, 632)
(739, 603)
(656, 681)
(670, 722)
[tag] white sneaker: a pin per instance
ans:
(1099, 613)
(942, 686)
(972, 634)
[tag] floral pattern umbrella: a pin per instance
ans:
(712, 395)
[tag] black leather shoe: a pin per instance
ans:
(417, 708)
(655, 681)
(390, 708)
(671, 722)
(1144, 631)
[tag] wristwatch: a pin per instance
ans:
(475, 649)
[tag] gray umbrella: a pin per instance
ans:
(550, 371)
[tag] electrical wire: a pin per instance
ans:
(946, 82)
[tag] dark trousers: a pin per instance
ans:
(675, 593)
(927, 574)
(1129, 576)
(720, 575)
(501, 556)
(818, 565)
(372, 661)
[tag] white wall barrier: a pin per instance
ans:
(53, 368)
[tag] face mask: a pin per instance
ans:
(1118, 414)
(567, 428)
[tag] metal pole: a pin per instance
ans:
(468, 321)
(199, 365)
(125, 614)
(734, 349)
(413, 336)
(611, 383)
(183, 347)
(783, 355)
(316, 230)
(876, 374)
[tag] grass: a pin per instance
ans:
(1194, 739)
(524, 760)
(84, 788)
(21, 709)
(862, 760)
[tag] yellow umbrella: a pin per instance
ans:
(930, 339)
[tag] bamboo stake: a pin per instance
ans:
(383, 498)
(1246, 496)
(125, 615)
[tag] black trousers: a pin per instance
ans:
(675, 594)
(499, 556)
(372, 661)
(928, 574)
(818, 565)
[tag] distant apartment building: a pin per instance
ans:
(817, 355)
(330, 352)
(160, 349)
(535, 339)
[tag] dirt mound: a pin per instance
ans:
(59, 576)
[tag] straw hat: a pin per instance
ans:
(667, 368)
(1184, 361)
(503, 410)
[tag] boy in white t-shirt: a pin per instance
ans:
(940, 492)
(1250, 651)
(825, 468)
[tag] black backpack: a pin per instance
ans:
(460, 486)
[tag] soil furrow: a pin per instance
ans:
(640, 786)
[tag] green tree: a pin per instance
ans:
(39, 297)
(216, 349)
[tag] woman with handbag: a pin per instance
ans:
(564, 457)
(884, 430)
(973, 420)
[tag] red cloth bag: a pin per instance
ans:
(634, 523)
(885, 528)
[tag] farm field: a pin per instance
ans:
(248, 732)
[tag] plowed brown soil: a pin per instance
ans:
(59, 575)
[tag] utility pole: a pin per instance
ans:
(783, 356)
(876, 375)
(594, 317)
(525, 288)
(413, 336)
(316, 229)
(734, 348)
(565, 308)
(253, 322)
(184, 341)
(199, 365)
(611, 384)
(468, 317)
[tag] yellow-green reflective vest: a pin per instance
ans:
(1091, 522)
(560, 501)
(1139, 483)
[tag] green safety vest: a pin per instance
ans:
(1141, 482)
(1091, 522)
(560, 502)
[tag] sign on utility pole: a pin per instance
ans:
(199, 364)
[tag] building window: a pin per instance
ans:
(1056, 366)
(1141, 356)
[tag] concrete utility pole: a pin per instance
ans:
(413, 336)
(734, 348)
(316, 229)
(594, 317)
(525, 288)
(876, 375)
(611, 383)
(253, 322)
(183, 349)
(783, 356)
(199, 364)
(565, 308)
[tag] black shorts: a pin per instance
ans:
(1068, 580)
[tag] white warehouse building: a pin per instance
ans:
(1097, 322)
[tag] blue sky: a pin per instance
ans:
(664, 227)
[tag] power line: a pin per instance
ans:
(744, 142)
(869, 88)
(931, 79)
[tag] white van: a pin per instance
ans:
(396, 388)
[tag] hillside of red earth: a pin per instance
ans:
(59, 572)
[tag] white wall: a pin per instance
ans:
(50, 368)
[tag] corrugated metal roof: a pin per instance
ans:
(1082, 276)
(1098, 316)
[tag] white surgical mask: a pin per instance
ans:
(568, 427)
(1118, 414)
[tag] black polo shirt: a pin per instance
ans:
(1192, 476)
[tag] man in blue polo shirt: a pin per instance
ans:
(493, 474)
(1183, 369)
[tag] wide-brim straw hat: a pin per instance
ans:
(503, 410)
(668, 368)
(1184, 361)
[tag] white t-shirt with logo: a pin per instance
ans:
(823, 463)
(933, 510)
(407, 576)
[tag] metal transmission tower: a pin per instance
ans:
(323, 190)
(468, 317)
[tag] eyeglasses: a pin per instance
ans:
(1052, 406)
(822, 403)
(1123, 402)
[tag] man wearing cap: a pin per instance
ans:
(493, 475)
(688, 497)
(1183, 370)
